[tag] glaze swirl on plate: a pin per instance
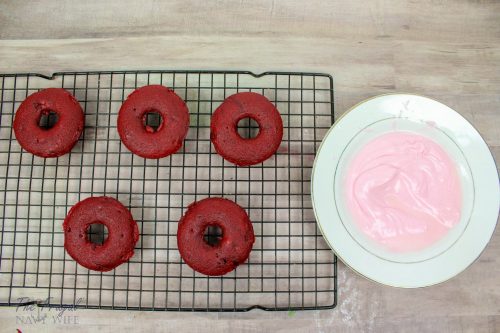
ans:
(403, 191)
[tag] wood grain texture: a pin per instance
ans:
(446, 49)
(447, 20)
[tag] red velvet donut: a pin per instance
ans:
(232, 249)
(224, 129)
(123, 233)
(57, 140)
(143, 140)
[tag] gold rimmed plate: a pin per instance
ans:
(477, 173)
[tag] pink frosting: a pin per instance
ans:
(403, 191)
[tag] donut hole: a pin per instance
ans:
(97, 233)
(248, 128)
(152, 121)
(48, 119)
(213, 235)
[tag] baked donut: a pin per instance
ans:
(234, 245)
(224, 129)
(60, 138)
(123, 233)
(144, 140)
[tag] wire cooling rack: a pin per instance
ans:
(290, 266)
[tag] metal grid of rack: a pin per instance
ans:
(290, 266)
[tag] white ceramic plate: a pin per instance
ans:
(475, 166)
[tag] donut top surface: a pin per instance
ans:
(123, 233)
(224, 129)
(60, 138)
(234, 245)
(141, 138)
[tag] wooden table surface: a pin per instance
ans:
(446, 49)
